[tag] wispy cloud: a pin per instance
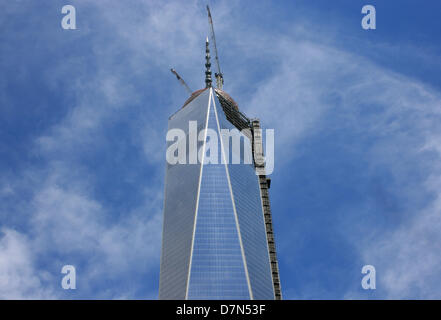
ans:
(390, 122)
(18, 277)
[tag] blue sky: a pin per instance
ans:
(356, 114)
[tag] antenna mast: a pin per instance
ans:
(181, 80)
(207, 65)
(219, 76)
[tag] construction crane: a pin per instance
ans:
(219, 76)
(181, 80)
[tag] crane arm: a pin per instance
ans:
(181, 80)
(218, 75)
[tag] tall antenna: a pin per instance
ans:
(181, 80)
(219, 76)
(207, 65)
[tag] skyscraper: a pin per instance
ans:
(217, 239)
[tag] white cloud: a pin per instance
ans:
(19, 278)
(73, 227)
(407, 257)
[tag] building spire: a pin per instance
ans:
(207, 65)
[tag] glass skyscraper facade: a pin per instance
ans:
(217, 238)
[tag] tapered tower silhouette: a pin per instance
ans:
(218, 240)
